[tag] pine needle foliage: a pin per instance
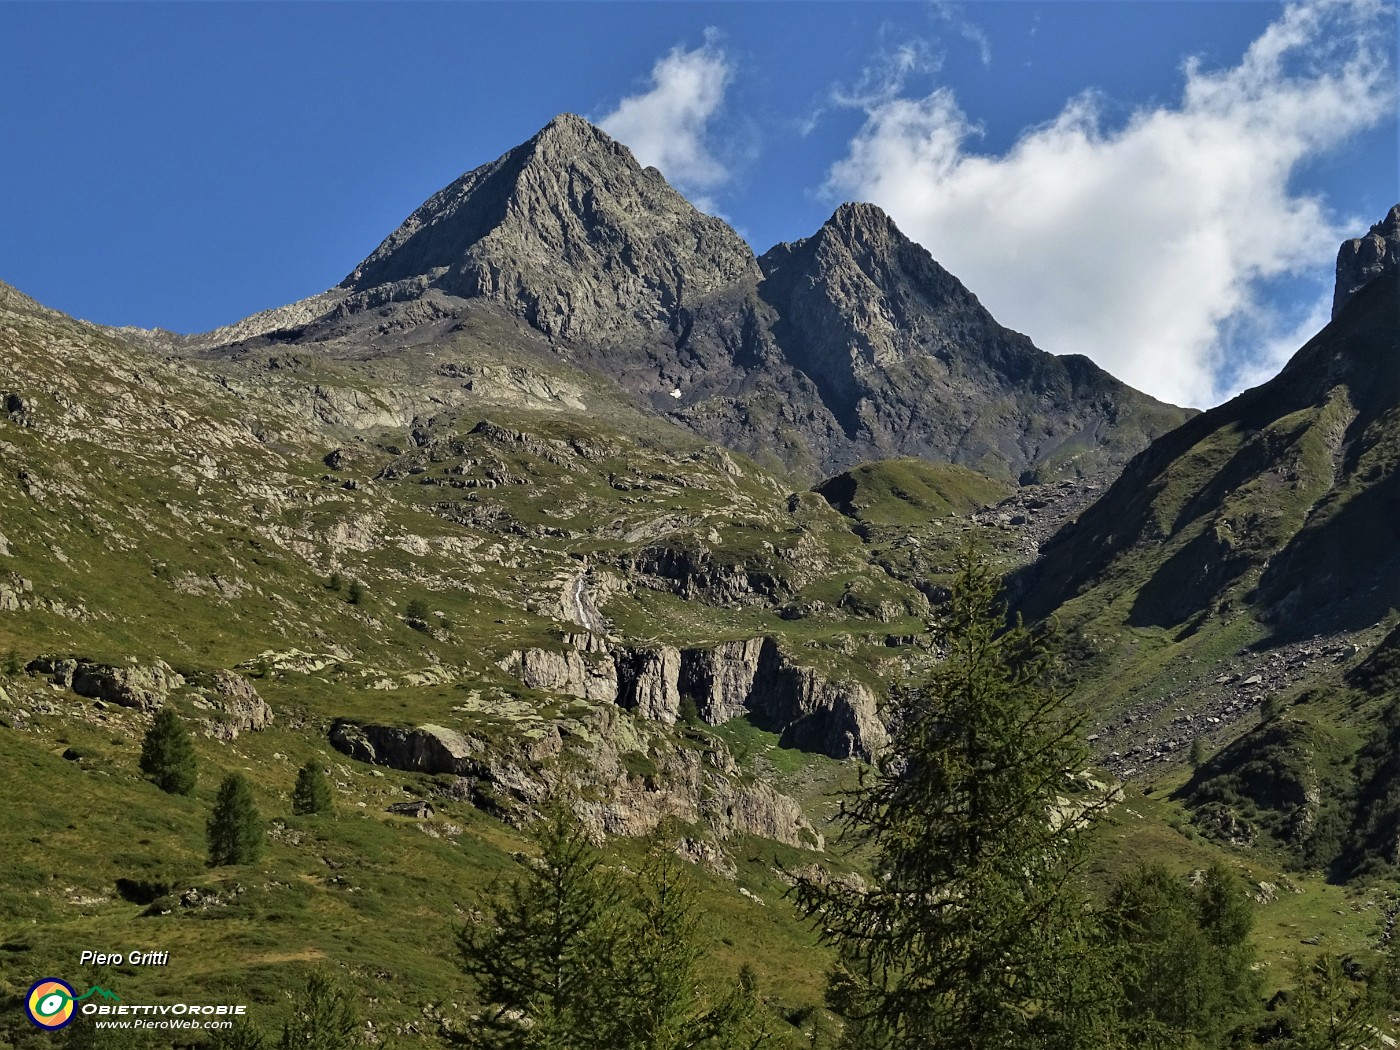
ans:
(167, 754)
(657, 993)
(1184, 961)
(312, 793)
(323, 1017)
(536, 952)
(235, 829)
(572, 955)
(974, 933)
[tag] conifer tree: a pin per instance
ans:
(973, 934)
(1184, 959)
(664, 1003)
(1226, 915)
(543, 954)
(565, 959)
(235, 829)
(167, 754)
(312, 793)
(1327, 1010)
(662, 954)
(1197, 755)
(323, 1018)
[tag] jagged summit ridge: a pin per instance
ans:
(1363, 259)
(567, 231)
(849, 345)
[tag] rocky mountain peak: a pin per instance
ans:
(570, 142)
(848, 345)
(885, 331)
(861, 249)
(1363, 259)
(567, 231)
(859, 222)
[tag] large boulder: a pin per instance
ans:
(142, 688)
(426, 749)
(238, 703)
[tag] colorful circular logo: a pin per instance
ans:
(49, 1003)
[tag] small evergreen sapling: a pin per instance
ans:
(167, 755)
(565, 957)
(235, 828)
(312, 793)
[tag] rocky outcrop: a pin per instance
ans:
(143, 688)
(419, 810)
(1361, 260)
(649, 683)
(759, 809)
(755, 677)
(426, 749)
(573, 673)
(721, 679)
(692, 571)
(812, 712)
(240, 707)
(694, 786)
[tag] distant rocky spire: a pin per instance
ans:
(1362, 260)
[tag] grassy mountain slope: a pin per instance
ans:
(277, 514)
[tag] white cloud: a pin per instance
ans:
(667, 126)
(952, 15)
(1143, 246)
(885, 78)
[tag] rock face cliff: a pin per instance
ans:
(1362, 259)
(808, 710)
(694, 786)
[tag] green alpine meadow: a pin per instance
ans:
(575, 631)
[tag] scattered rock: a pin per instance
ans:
(422, 810)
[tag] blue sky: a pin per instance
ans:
(1159, 185)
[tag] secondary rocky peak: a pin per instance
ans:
(885, 332)
(1363, 259)
(567, 231)
(861, 245)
